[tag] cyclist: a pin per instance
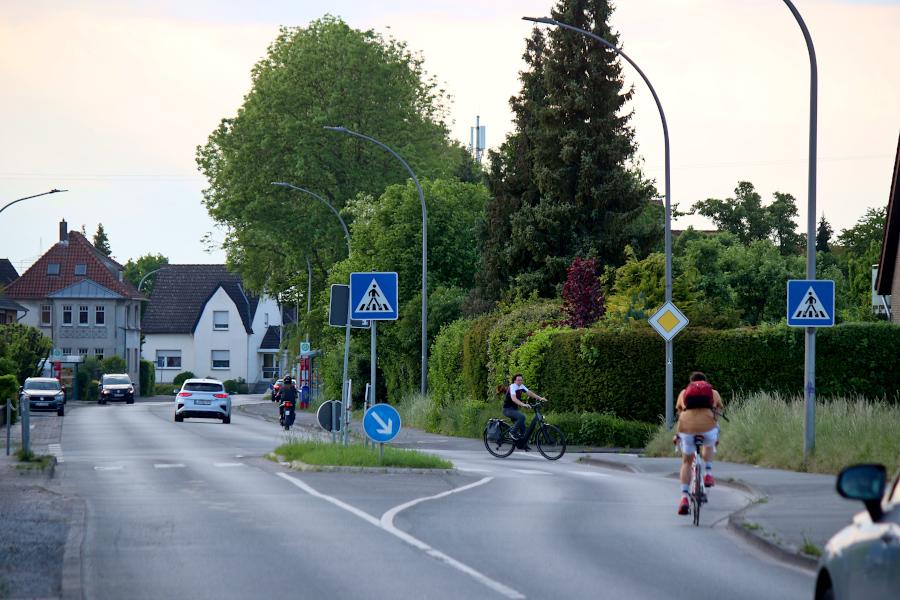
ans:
(512, 399)
(697, 405)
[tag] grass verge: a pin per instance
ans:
(29, 461)
(767, 430)
(357, 455)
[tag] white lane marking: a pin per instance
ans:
(531, 472)
(56, 450)
(228, 465)
(30, 427)
(473, 470)
(387, 524)
(107, 467)
(589, 474)
(168, 466)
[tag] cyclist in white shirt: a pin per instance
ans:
(511, 402)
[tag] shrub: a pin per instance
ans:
(475, 358)
(236, 386)
(444, 374)
(147, 377)
(182, 377)
(9, 392)
(582, 298)
(92, 392)
(114, 364)
(165, 389)
(510, 331)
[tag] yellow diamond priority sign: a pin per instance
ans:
(668, 321)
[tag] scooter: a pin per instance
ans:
(287, 414)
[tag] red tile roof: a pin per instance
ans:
(36, 283)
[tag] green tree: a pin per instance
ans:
(783, 225)
(113, 364)
(859, 249)
(824, 233)
(869, 230)
(101, 241)
(561, 182)
(136, 269)
(22, 350)
(323, 74)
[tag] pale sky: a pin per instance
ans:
(110, 98)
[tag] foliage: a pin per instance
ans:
(179, 379)
(582, 297)
(88, 372)
(869, 230)
(236, 386)
(323, 74)
(135, 270)
(475, 357)
(358, 455)
(165, 389)
(513, 327)
(114, 364)
(445, 376)
(9, 392)
(824, 233)
(147, 377)
(22, 349)
(562, 181)
(767, 430)
(101, 241)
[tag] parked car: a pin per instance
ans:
(862, 560)
(44, 394)
(116, 386)
(203, 398)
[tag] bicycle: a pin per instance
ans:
(697, 489)
(549, 439)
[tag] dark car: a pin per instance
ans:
(44, 394)
(862, 560)
(116, 386)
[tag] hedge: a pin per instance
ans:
(9, 392)
(236, 386)
(147, 377)
(179, 379)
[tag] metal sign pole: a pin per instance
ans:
(345, 422)
(8, 423)
(25, 407)
(365, 408)
(372, 366)
(334, 421)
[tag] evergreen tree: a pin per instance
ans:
(101, 242)
(561, 182)
(823, 235)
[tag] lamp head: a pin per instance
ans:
(544, 20)
(339, 129)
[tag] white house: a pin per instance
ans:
(200, 319)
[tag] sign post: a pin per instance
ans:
(379, 424)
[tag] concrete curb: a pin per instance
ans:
(610, 464)
(49, 471)
(71, 571)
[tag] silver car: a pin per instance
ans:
(44, 394)
(862, 560)
(203, 398)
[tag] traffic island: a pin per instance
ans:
(35, 464)
(358, 458)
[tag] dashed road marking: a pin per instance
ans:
(168, 466)
(531, 472)
(589, 474)
(107, 467)
(227, 465)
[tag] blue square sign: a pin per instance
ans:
(810, 303)
(373, 296)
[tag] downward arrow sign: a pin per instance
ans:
(386, 428)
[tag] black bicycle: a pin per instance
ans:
(549, 439)
(697, 489)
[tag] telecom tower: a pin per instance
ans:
(476, 139)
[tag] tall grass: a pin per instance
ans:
(767, 430)
(357, 455)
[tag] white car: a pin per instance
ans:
(204, 399)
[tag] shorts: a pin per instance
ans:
(710, 438)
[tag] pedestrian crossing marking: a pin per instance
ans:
(811, 307)
(374, 300)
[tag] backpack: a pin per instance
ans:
(698, 394)
(493, 432)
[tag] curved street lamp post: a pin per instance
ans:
(424, 351)
(53, 191)
(668, 225)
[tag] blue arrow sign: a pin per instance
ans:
(810, 303)
(382, 423)
(373, 296)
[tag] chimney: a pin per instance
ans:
(63, 231)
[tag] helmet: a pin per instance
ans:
(288, 380)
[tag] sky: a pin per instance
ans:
(109, 99)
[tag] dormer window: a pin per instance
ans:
(52, 268)
(81, 269)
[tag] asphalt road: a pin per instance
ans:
(191, 510)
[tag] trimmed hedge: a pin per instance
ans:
(147, 377)
(445, 378)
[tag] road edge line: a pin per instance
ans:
(72, 554)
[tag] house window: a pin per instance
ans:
(80, 269)
(83, 315)
(82, 351)
(98, 352)
(67, 314)
(99, 315)
(220, 320)
(220, 359)
(52, 268)
(168, 359)
(46, 312)
(67, 351)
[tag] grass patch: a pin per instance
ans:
(810, 549)
(767, 430)
(751, 526)
(29, 461)
(357, 455)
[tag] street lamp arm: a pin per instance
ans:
(53, 191)
(324, 201)
(141, 282)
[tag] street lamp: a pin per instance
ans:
(53, 191)
(668, 225)
(323, 201)
(141, 282)
(424, 367)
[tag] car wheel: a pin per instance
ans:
(61, 412)
(129, 401)
(179, 418)
(101, 401)
(226, 420)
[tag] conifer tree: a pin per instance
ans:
(101, 242)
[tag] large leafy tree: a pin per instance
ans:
(561, 181)
(324, 74)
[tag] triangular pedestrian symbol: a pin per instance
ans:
(810, 307)
(374, 300)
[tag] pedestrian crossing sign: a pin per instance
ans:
(373, 296)
(810, 303)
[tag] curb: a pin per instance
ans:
(297, 465)
(49, 471)
(736, 523)
(71, 571)
(611, 464)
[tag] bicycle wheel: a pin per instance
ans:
(551, 442)
(696, 492)
(504, 446)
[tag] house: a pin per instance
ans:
(888, 280)
(201, 319)
(78, 297)
(9, 310)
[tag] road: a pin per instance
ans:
(192, 510)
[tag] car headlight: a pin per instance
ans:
(104, 391)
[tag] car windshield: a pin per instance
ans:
(203, 387)
(116, 380)
(42, 385)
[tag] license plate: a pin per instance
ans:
(118, 393)
(203, 402)
(40, 403)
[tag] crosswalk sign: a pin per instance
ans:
(810, 303)
(373, 296)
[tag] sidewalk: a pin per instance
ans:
(788, 510)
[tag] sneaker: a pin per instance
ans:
(708, 480)
(684, 507)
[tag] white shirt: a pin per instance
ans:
(515, 387)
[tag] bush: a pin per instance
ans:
(165, 389)
(510, 331)
(445, 379)
(9, 392)
(236, 386)
(147, 377)
(182, 377)
(92, 392)
(114, 364)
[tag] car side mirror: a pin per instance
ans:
(865, 482)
